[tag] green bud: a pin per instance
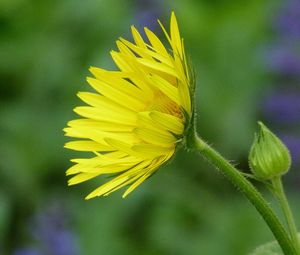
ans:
(268, 157)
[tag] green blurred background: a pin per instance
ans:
(238, 49)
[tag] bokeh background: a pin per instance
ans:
(247, 58)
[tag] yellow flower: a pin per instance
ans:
(138, 116)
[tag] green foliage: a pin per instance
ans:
(271, 248)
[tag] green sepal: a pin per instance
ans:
(190, 134)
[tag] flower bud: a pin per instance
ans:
(268, 157)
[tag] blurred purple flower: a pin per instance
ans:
(282, 107)
(27, 251)
(147, 18)
(284, 61)
(60, 243)
(50, 234)
(293, 143)
(147, 13)
(288, 21)
(50, 229)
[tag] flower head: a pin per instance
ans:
(268, 157)
(138, 115)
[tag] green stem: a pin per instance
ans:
(280, 194)
(248, 190)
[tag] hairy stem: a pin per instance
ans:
(244, 186)
(280, 194)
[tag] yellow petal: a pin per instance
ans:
(175, 35)
(87, 146)
(141, 179)
(114, 155)
(121, 145)
(120, 83)
(168, 121)
(106, 163)
(150, 151)
(82, 177)
(158, 66)
(185, 98)
(98, 72)
(186, 69)
(148, 54)
(100, 136)
(146, 174)
(100, 125)
(160, 122)
(102, 102)
(120, 62)
(167, 88)
(156, 43)
(140, 51)
(165, 32)
(136, 72)
(116, 182)
(123, 49)
(100, 159)
(149, 171)
(105, 114)
(116, 95)
(140, 81)
(153, 137)
(107, 169)
(131, 180)
(137, 37)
